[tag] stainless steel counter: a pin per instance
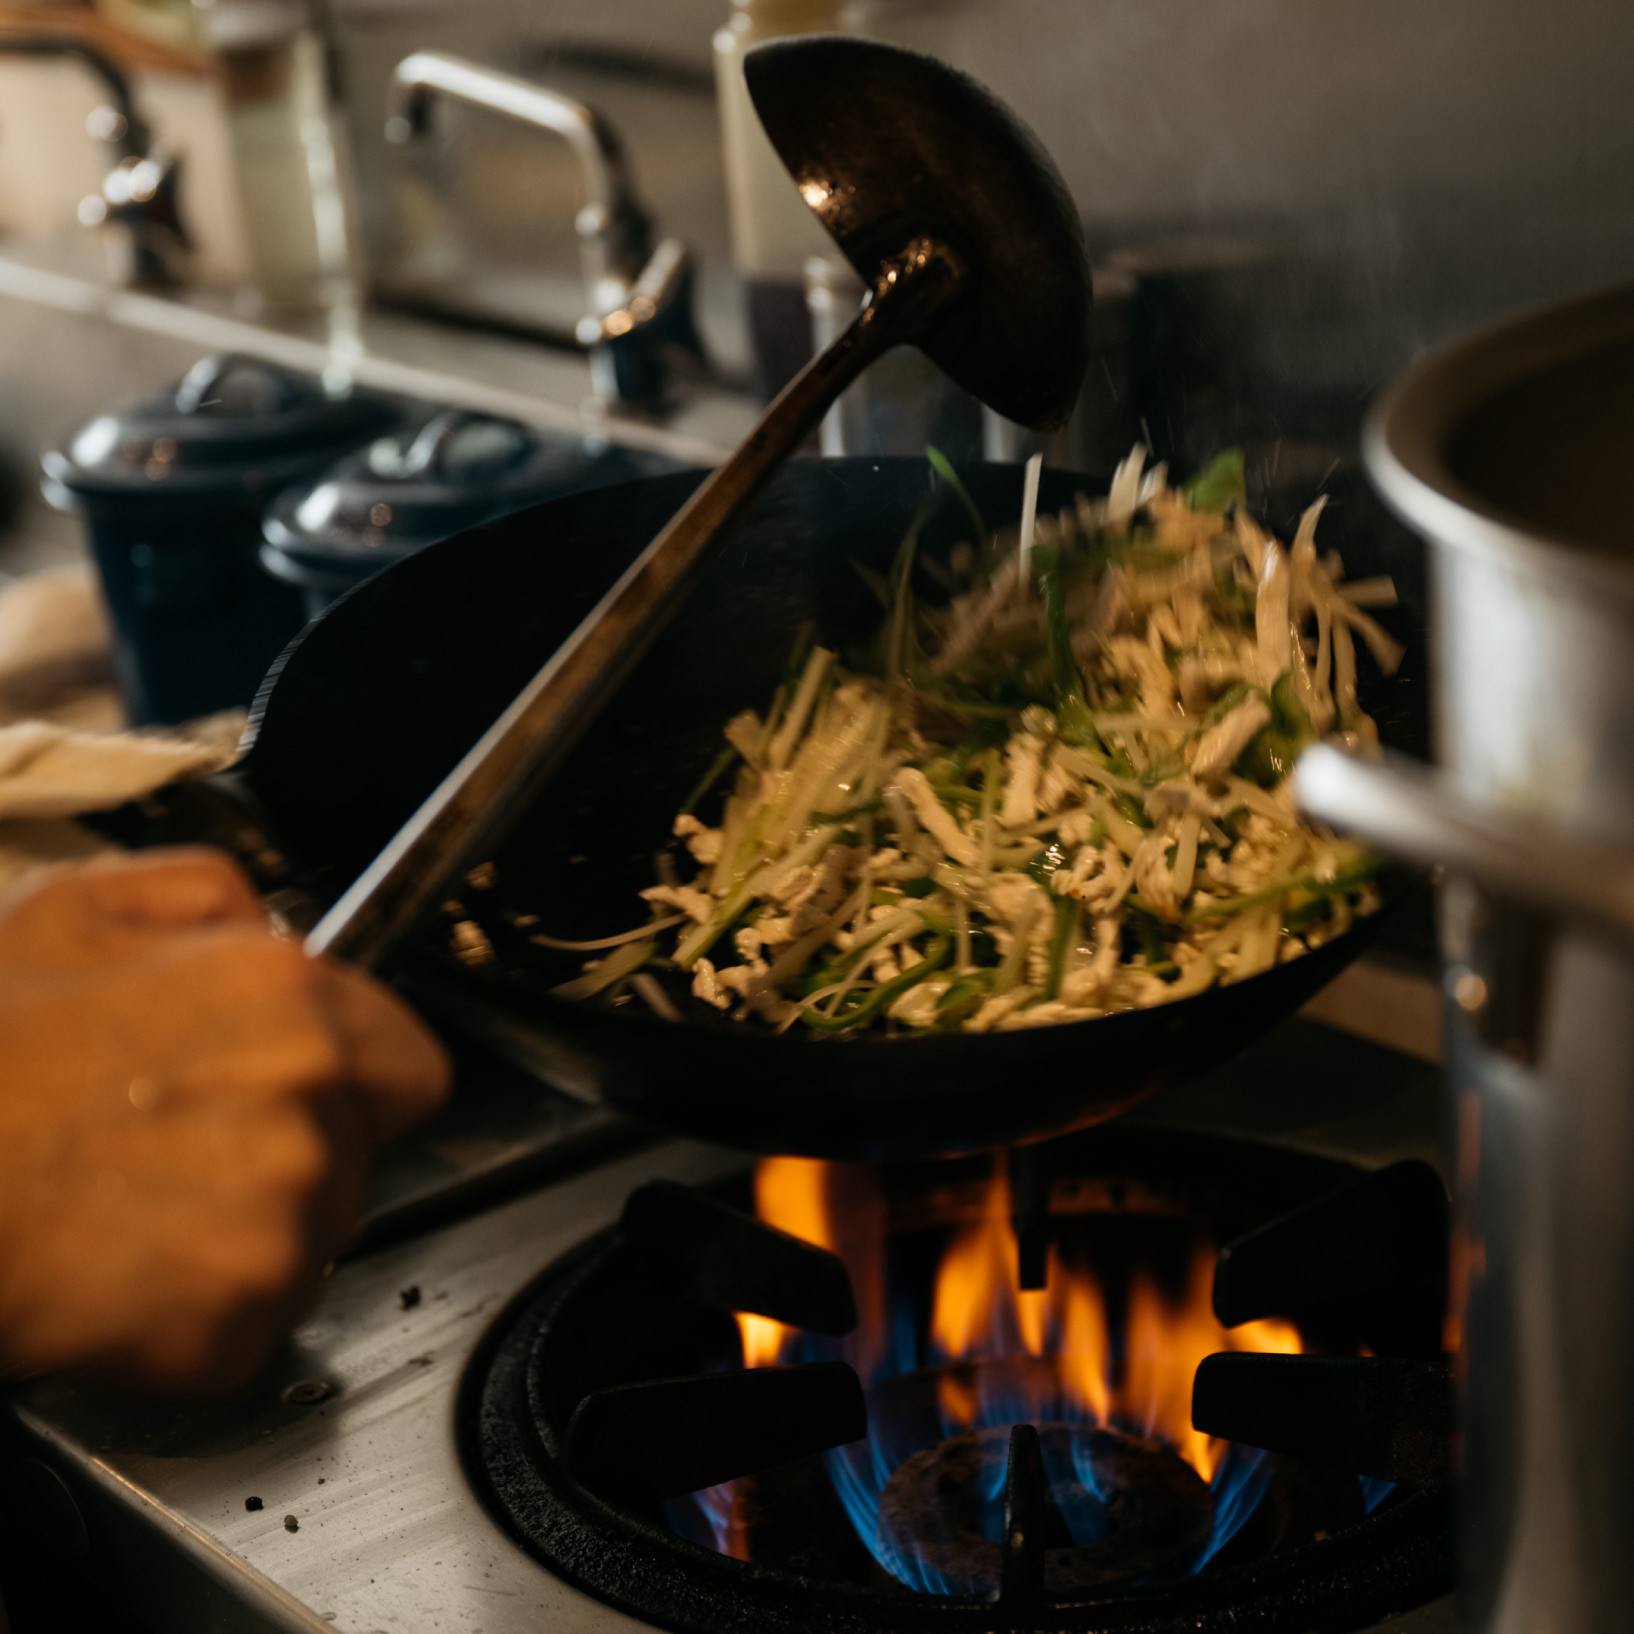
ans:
(351, 1434)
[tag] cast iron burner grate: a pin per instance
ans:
(609, 1406)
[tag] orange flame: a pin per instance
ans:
(1085, 1349)
(977, 1305)
(762, 1339)
(1165, 1343)
(791, 1194)
(978, 1312)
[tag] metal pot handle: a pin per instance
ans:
(1412, 810)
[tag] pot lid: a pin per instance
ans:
(233, 426)
(413, 487)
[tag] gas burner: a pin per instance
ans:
(709, 1422)
(1117, 1506)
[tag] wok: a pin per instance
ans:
(369, 708)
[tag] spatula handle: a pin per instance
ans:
(472, 806)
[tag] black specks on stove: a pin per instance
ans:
(292, 1523)
(409, 1297)
(252, 1504)
(306, 1392)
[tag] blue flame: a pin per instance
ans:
(1086, 1518)
(860, 1472)
(1000, 1397)
(703, 1517)
(1239, 1484)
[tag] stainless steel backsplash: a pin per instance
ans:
(1311, 193)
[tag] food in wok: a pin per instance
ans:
(1058, 790)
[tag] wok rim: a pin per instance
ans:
(1020, 1079)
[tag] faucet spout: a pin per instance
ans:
(622, 273)
(614, 231)
(139, 192)
(125, 131)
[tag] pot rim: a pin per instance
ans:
(1405, 436)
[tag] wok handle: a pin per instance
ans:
(1411, 810)
(472, 805)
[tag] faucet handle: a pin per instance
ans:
(651, 321)
(139, 194)
(119, 128)
(666, 278)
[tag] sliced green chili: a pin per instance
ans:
(885, 993)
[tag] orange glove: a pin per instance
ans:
(187, 1104)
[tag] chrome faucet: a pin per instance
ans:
(138, 195)
(639, 298)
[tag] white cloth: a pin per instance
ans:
(55, 662)
(62, 752)
(49, 775)
(51, 771)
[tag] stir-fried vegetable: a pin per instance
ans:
(1062, 793)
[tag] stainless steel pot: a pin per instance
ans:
(1510, 453)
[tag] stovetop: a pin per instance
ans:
(334, 1496)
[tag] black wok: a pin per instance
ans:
(378, 698)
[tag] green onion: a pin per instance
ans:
(1149, 930)
(959, 706)
(902, 652)
(1062, 941)
(1270, 756)
(957, 794)
(943, 467)
(614, 967)
(964, 998)
(699, 940)
(1220, 484)
(805, 638)
(1226, 702)
(718, 768)
(859, 810)
(1131, 808)
(910, 921)
(881, 996)
(1296, 884)
(1043, 866)
(1071, 707)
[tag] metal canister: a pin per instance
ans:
(432, 479)
(172, 491)
(1509, 453)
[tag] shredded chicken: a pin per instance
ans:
(902, 848)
